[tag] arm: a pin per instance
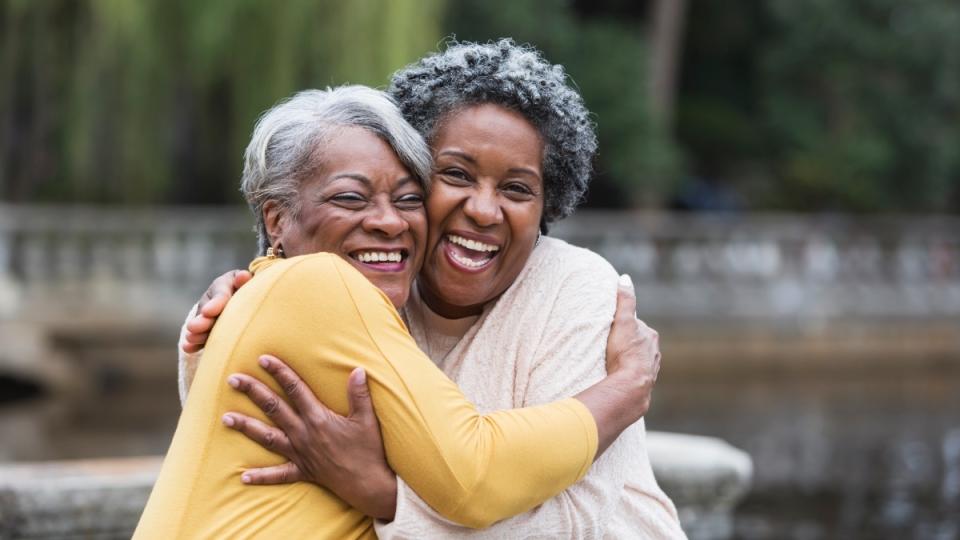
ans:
(632, 355)
(474, 469)
(345, 454)
(187, 362)
(570, 356)
(198, 324)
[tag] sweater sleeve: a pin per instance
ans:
(570, 358)
(472, 468)
(186, 362)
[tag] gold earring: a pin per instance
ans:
(274, 253)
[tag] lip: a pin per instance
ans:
(476, 237)
(388, 267)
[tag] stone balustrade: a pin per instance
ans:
(103, 499)
(790, 267)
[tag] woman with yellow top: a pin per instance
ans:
(340, 172)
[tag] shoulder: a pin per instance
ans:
(316, 269)
(313, 276)
(572, 266)
(563, 278)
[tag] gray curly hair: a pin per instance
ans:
(516, 77)
(287, 144)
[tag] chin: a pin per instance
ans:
(467, 298)
(397, 297)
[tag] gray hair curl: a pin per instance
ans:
(288, 144)
(516, 77)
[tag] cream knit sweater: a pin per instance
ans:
(543, 340)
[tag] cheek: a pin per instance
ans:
(440, 204)
(326, 232)
(418, 228)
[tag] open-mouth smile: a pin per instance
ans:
(467, 254)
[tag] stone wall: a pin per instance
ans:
(103, 499)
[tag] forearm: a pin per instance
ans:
(581, 511)
(186, 362)
(616, 402)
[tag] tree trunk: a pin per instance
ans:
(666, 47)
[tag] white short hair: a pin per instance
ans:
(287, 143)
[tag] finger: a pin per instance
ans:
(293, 386)
(196, 338)
(263, 397)
(199, 325)
(648, 333)
(190, 348)
(222, 286)
(240, 278)
(626, 298)
(358, 397)
(626, 282)
(287, 473)
(214, 307)
(266, 436)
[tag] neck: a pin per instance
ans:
(444, 308)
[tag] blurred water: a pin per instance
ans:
(866, 455)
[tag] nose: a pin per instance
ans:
(385, 219)
(483, 208)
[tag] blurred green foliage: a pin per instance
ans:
(154, 100)
(783, 104)
(604, 51)
(826, 105)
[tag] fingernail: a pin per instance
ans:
(233, 381)
(227, 420)
(361, 376)
(625, 281)
(245, 478)
(264, 362)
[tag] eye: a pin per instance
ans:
(410, 201)
(455, 175)
(519, 191)
(350, 199)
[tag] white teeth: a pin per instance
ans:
(468, 262)
(471, 244)
(379, 256)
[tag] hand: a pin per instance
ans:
(633, 348)
(342, 453)
(633, 362)
(210, 306)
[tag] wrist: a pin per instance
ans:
(374, 493)
(385, 503)
(632, 389)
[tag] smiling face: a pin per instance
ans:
(363, 205)
(484, 209)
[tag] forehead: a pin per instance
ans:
(355, 151)
(491, 128)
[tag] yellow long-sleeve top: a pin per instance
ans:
(324, 318)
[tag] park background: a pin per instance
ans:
(781, 178)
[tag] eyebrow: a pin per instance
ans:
(523, 170)
(459, 154)
(367, 182)
(355, 176)
(469, 158)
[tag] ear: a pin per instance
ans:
(273, 220)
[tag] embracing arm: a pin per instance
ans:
(571, 356)
(187, 362)
(198, 324)
(473, 469)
